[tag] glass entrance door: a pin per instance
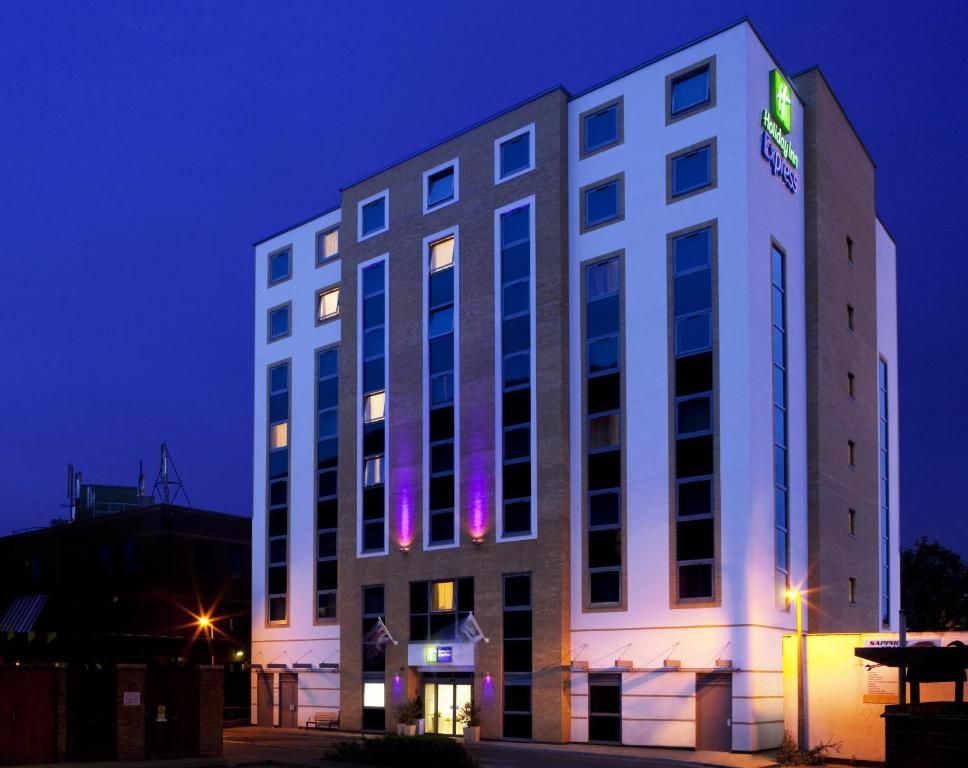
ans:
(442, 702)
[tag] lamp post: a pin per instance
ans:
(205, 624)
(794, 594)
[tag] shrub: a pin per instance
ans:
(404, 752)
(788, 754)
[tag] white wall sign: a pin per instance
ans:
(131, 698)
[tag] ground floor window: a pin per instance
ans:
(517, 707)
(374, 698)
(605, 708)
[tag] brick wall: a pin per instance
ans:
(546, 557)
(130, 732)
(210, 702)
(839, 203)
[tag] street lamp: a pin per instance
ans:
(794, 594)
(205, 624)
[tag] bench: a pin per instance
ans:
(328, 719)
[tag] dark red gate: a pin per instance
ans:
(28, 715)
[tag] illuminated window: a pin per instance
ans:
(374, 695)
(373, 471)
(327, 304)
(279, 435)
(327, 246)
(442, 254)
(373, 407)
(442, 596)
(372, 509)
(440, 289)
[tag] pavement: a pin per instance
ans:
(301, 748)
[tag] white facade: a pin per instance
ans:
(300, 641)
(751, 207)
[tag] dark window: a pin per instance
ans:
(279, 322)
(518, 633)
(327, 403)
(515, 343)
(279, 266)
(694, 426)
(440, 187)
(691, 171)
(690, 91)
(515, 154)
(601, 204)
(605, 708)
(601, 128)
(374, 216)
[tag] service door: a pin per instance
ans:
(288, 709)
(264, 700)
(714, 718)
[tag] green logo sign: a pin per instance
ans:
(781, 101)
(430, 654)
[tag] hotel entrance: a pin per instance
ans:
(444, 695)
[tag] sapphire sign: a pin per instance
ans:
(439, 654)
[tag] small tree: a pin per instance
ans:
(407, 713)
(469, 715)
(934, 588)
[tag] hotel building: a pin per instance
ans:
(551, 415)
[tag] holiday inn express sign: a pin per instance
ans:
(777, 121)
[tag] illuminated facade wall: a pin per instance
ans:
(558, 364)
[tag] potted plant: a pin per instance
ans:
(407, 719)
(469, 716)
(418, 709)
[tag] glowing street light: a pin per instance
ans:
(797, 597)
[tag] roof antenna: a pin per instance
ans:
(169, 488)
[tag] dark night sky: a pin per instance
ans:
(145, 146)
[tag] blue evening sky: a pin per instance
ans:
(145, 145)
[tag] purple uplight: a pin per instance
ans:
(488, 687)
(478, 499)
(404, 510)
(396, 685)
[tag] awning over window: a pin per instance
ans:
(22, 614)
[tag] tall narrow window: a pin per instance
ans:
(781, 464)
(518, 634)
(850, 385)
(327, 246)
(442, 405)
(850, 250)
(374, 658)
(327, 401)
(694, 465)
(603, 406)
(277, 529)
(852, 590)
(850, 317)
(851, 454)
(515, 346)
(885, 494)
(373, 358)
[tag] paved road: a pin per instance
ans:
(250, 746)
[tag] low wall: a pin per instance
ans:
(845, 696)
